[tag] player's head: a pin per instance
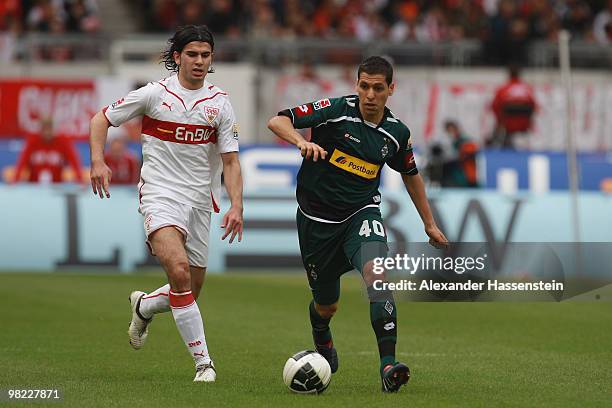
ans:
(46, 129)
(514, 71)
(190, 53)
(374, 85)
(452, 128)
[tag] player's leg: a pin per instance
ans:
(197, 279)
(324, 262)
(154, 302)
(168, 244)
(321, 310)
(366, 240)
(157, 301)
(196, 247)
(158, 213)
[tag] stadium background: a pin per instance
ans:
(68, 58)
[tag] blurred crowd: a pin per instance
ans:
(397, 20)
(47, 17)
(503, 27)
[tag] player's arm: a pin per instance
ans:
(309, 115)
(232, 176)
(24, 159)
(133, 104)
(282, 127)
(403, 162)
(100, 173)
(416, 189)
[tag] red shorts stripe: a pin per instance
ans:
(184, 133)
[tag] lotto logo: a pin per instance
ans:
(195, 343)
(303, 110)
(323, 103)
(389, 326)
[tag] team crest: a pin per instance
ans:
(385, 150)
(312, 272)
(211, 113)
(235, 130)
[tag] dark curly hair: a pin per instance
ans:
(183, 36)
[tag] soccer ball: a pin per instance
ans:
(307, 372)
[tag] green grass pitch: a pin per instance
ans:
(68, 331)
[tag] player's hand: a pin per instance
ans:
(101, 176)
(233, 223)
(313, 150)
(436, 237)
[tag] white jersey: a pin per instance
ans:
(183, 134)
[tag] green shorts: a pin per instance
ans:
(330, 250)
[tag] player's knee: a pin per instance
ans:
(326, 311)
(370, 276)
(180, 277)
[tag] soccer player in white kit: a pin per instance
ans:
(189, 135)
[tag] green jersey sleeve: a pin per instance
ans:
(403, 161)
(314, 113)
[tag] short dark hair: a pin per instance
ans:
(183, 36)
(376, 65)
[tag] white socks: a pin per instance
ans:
(155, 302)
(189, 323)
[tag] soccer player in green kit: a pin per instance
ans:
(338, 198)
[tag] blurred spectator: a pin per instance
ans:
(404, 28)
(44, 14)
(457, 167)
(221, 18)
(602, 27)
(10, 28)
(123, 163)
(462, 166)
(576, 17)
(507, 37)
(513, 106)
(44, 157)
(544, 23)
(82, 16)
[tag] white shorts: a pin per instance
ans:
(194, 223)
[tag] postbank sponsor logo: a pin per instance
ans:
(354, 165)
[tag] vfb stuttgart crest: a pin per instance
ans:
(211, 113)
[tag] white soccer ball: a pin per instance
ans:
(307, 372)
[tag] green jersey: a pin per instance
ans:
(347, 181)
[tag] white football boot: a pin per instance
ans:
(138, 330)
(205, 373)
